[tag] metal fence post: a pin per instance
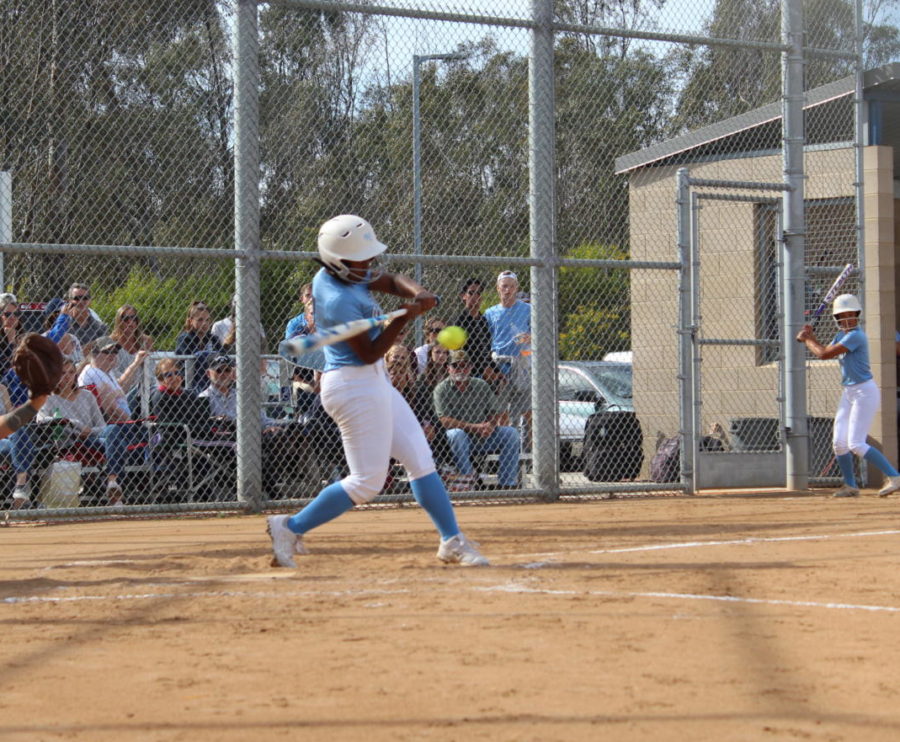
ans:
(247, 237)
(685, 331)
(796, 425)
(542, 174)
(5, 220)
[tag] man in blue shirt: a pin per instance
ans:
(510, 324)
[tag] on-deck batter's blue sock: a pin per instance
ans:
(879, 459)
(431, 494)
(845, 461)
(328, 505)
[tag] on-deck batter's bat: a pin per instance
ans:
(299, 345)
(833, 291)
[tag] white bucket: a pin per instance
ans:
(61, 485)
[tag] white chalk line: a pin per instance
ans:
(12, 600)
(509, 587)
(516, 588)
(698, 544)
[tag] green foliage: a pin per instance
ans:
(594, 305)
(162, 303)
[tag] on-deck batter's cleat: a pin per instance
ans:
(893, 484)
(846, 491)
(284, 541)
(459, 550)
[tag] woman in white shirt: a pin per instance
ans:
(79, 407)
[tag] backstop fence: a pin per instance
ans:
(166, 166)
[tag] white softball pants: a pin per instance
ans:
(376, 425)
(855, 413)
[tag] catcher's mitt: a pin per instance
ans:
(38, 362)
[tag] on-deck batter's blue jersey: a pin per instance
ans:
(855, 367)
(337, 302)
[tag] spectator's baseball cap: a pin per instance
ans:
(507, 274)
(457, 357)
(220, 363)
(104, 343)
(53, 306)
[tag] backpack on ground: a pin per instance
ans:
(665, 466)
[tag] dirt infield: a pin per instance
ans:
(702, 618)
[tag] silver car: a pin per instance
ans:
(584, 388)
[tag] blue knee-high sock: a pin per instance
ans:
(845, 462)
(876, 457)
(431, 494)
(328, 505)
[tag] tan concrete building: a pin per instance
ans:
(737, 248)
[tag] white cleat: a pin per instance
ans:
(893, 484)
(459, 550)
(284, 541)
(846, 491)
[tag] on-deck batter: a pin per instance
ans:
(860, 395)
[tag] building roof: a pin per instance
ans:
(829, 110)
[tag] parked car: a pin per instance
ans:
(584, 388)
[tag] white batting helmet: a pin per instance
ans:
(348, 237)
(846, 303)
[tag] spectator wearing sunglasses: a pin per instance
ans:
(12, 329)
(134, 345)
(100, 375)
(87, 426)
(86, 325)
(478, 331)
(433, 326)
(170, 402)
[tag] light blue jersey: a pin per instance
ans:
(855, 363)
(337, 302)
(505, 324)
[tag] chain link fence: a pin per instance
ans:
(168, 164)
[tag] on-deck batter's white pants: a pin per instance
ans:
(855, 413)
(376, 425)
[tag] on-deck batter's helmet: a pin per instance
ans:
(349, 237)
(846, 303)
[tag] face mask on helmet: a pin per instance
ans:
(846, 304)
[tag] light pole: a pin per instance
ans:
(418, 59)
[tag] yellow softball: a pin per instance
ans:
(452, 337)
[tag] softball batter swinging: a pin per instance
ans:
(375, 421)
(860, 396)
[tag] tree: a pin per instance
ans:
(721, 82)
(594, 305)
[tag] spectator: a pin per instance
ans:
(88, 426)
(86, 325)
(197, 340)
(69, 345)
(304, 323)
(225, 328)
(170, 402)
(432, 327)
(478, 341)
(20, 449)
(221, 394)
(12, 329)
(435, 368)
(100, 376)
(134, 344)
(471, 412)
(510, 324)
